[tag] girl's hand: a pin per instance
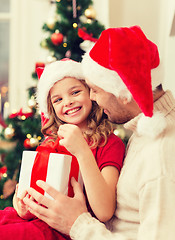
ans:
(21, 207)
(72, 139)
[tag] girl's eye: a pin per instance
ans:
(75, 92)
(57, 100)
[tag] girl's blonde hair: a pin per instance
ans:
(99, 127)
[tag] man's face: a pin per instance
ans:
(116, 111)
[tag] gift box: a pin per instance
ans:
(54, 168)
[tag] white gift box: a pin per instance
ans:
(58, 171)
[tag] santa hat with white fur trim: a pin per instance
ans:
(125, 63)
(52, 73)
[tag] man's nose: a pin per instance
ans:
(92, 95)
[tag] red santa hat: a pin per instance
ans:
(125, 63)
(51, 74)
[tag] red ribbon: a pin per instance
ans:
(20, 114)
(39, 170)
(86, 36)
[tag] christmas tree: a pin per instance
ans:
(69, 31)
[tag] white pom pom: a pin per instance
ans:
(153, 126)
(86, 45)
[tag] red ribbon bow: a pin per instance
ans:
(86, 36)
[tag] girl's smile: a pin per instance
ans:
(73, 110)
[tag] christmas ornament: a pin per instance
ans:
(57, 38)
(44, 44)
(34, 142)
(120, 132)
(23, 118)
(9, 132)
(83, 18)
(69, 8)
(51, 16)
(9, 188)
(32, 102)
(74, 7)
(89, 21)
(51, 59)
(51, 23)
(75, 25)
(27, 143)
(68, 54)
(39, 138)
(65, 45)
(90, 13)
(3, 171)
(29, 135)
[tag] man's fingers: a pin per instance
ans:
(47, 188)
(77, 189)
(34, 208)
(43, 200)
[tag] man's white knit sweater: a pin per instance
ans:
(146, 187)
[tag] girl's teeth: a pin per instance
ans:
(72, 111)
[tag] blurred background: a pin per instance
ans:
(36, 32)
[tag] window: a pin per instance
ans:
(4, 52)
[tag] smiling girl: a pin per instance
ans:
(82, 128)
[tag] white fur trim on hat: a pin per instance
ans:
(104, 78)
(151, 127)
(52, 73)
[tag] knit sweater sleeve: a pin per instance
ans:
(89, 228)
(157, 199)
(157, 210)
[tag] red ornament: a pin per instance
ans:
(27, 143)
(2, 171)
(57, 38)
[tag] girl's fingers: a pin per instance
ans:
(23, 194)
(61, 142)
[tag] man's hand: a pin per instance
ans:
(60, 212)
